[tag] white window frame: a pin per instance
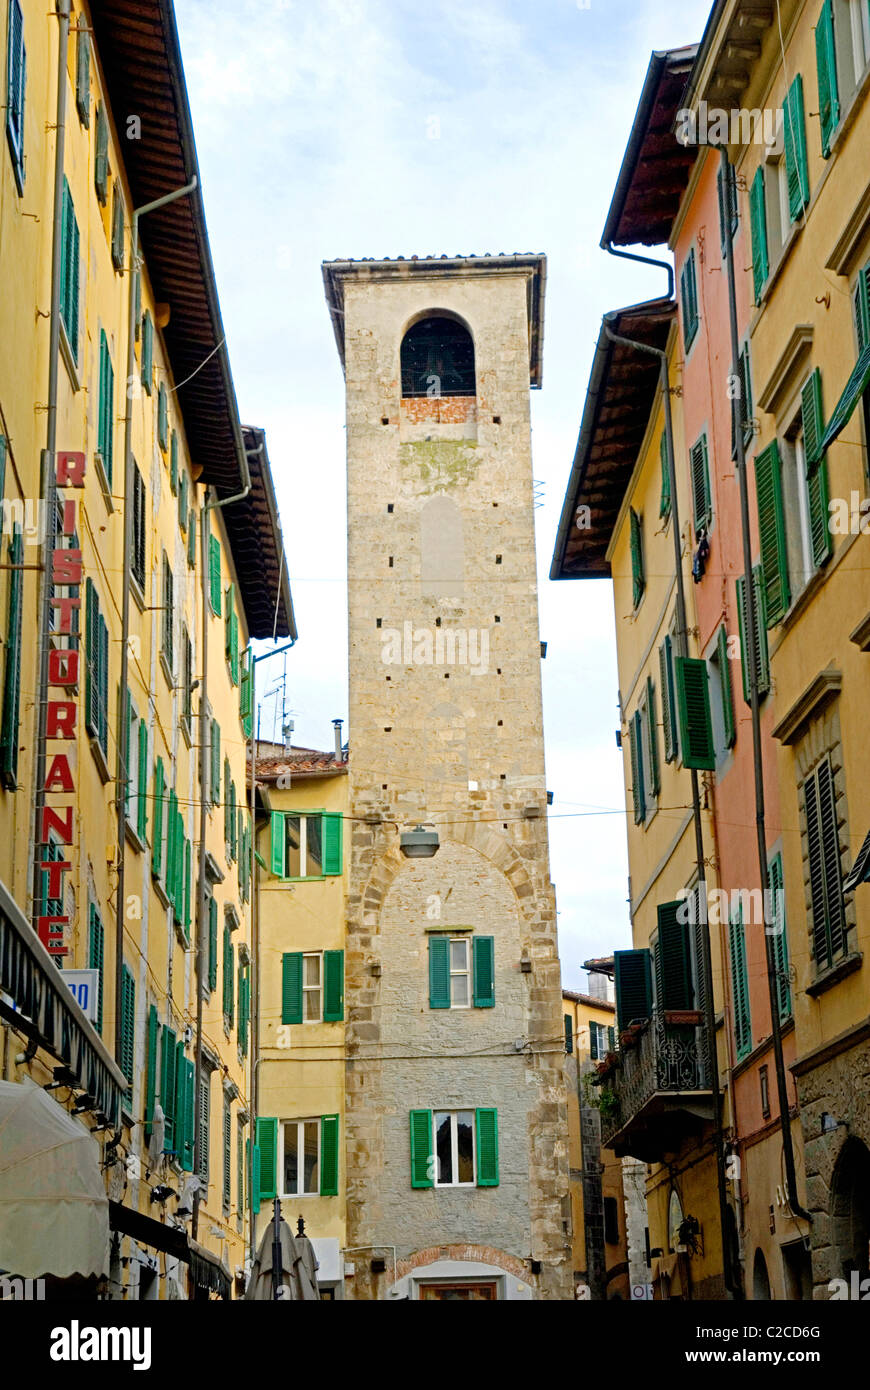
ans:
(858, 38)
(454, 1145)
(303, 818)
(300, 1153)
(458, 974)
(310, 989)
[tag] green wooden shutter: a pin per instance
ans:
(227, 831)
(725, 687)
(740, 985)
(702, 506)
(421, 1148)
(332, 826)
(569, 1034)
(771, 533)
(96, 949)
(191, 539)
(229, 976)
(230, 597)
(228, 1153)
(106, 408)
(147, 351)
(279, 843)
(212, 944)
(487, 1148)
(333, 986)
(291, 987)
(9, 721)
(117, 227)
(329, 1155)
(101, 160)
(636, 545)
(15, 90)
(762, 662)
(862, 309)
(267, 1143)
(796, 149)
(483, 950)
(83, 75)
(163, 428)
(204, 1116)
(693, 712)
(636, 756)
(858, 383)
(673, 958)
(151, 1071)
(665, 499)
(779, 938)
(689, 297)
(633, 981)
(245, 693)
(255, 1175)
(142, 782)
(157, 842)
(188, 1114)
(653, 735)
(826, 67)
(439, 972)
(168, 1047)
(128, 1024)
(816, 468)
(611, 1038)
(215, 778)
(214, 574)
(758, 225)
(825, 870)
(669, 708)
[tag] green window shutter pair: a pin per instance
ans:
(816, 468)
(204, 1119)
(215, 763)
(702, 501)
(689, 298)
(267, 1144)
(159, 820)
(796, 149)
(483, 972)
(771, 534)
(96, 956)
(101, 158)
(212, 944)
(665, 499)
(279, 843)
(669, 707)
(151, 1071)
(228, 1153)
(633, 981)
(693, 713)
(332, 826)
(229, 974)
(762, 664)
(824, 864)
(653, 736)
(636, 545)
(758, 226)
(673, 958)
(128, 1024)
(147, 350)
(245, 688)
(214, 574)
(10, 718)
(117, 226)
(740, 985)
(69, 272)
(15, 89)
(265, 1183)
(163, 425)
(635, 741)
(106, 417)
(727, 693)
(779, 937)
(168, 1056)
(826, 67)
(142, 783)
(422, 1148)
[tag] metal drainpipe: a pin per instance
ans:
(211, 504)
(758, 769)
(644, 260)
(706, 951)
(121, 783)
(49, 476)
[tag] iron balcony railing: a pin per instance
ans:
(669, 1057)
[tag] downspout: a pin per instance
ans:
(49, 457)
(706, 962)
(758, 768)
(612, 250)
(212, 503)
(121, 783)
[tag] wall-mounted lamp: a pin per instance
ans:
(419, 843)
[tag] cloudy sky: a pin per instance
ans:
(355, 128)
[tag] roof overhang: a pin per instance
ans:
(254, 528)
(737, 35)
(533, 266)
(619, 398)
(655, 167)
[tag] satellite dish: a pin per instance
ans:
(158, 1136)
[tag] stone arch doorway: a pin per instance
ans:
(850, 1209)
(760, 1279)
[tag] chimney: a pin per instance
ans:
(336, 724)
(288, 736)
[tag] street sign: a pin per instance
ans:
(84, 986)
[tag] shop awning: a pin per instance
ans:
(208, 1271)
(43, 1009)
(129, 1222)
(54, 1213)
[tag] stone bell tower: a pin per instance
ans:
(456, 1127)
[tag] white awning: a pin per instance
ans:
(54, 1212)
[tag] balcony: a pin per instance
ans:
(656, 1093)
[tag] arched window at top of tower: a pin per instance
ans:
(437, 358)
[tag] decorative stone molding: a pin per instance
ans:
(826, 687)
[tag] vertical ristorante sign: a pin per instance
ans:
(56, 821)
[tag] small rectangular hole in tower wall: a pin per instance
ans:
(385, 419)
(496, 419)
(437, 622)
(498, 559)
(391, 562)
(497, 618)
(378, 622)
(389, 506)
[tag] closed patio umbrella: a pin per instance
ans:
(285, 1267)
(54, 1212)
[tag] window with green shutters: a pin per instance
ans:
(101, 157)
(813, 422)
(795, 140)
(231, 634)
(295, 1158)
(652, 734)
(226, 805)
(702, 500)
(142, 781)
(693, 713)
(779, 936)
(163, 424)
(312, 987)
(633, 982)
(824, 866)
(229, 976)
(215, 763)
(117, 226)
(11, 713)
(739, 985)
(245, 690)
(762, 664)
(673, 958)
(96, 956)
(772, 534)
(214, 574)
(758, 226)
(244, 1006)
(151, 1070)
(242, 1150)
(689, 300)
(461, 972)
(665, 498)
(329, 1156)
(138, 558)
(742, 406)
(669, 704)
(454, 1148)
(723, 666)
(267, 1143)
(826, 69)
(227, 1193)
(168, 1056)
(638, 582)
(191, 538)
(212, 943)
(16, 82)
(726, 184)
(167, 644)
(126, 1061)
(306, 845)
(96, 669)
(204, 1123)
(147, 350)
(186, 680)
(69, 272)
(159, 833)
(635, 743)
(106, 417)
